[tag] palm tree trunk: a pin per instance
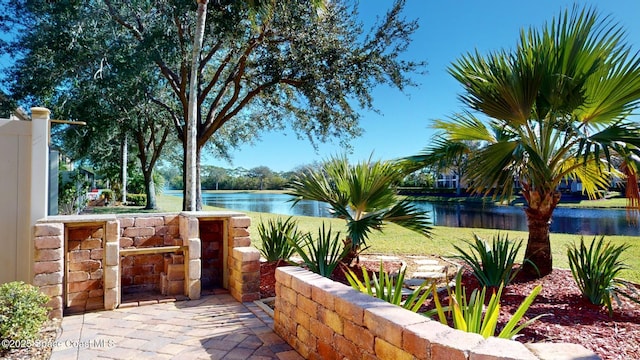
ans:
(539, 211)
(184, 176)
(539, 245)
(198, 181)
(352, 254)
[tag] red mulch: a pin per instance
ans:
(268, 269)
(268, 278)
(572, 318)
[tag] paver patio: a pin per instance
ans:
(214, 327)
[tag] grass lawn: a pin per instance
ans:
(397, 240)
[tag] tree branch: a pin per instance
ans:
(174, 117)
(214, 80)
(121, 21)
(205, 60)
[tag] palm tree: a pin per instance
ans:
(561, 101)
(363, 194)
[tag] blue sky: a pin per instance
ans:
(447, 30)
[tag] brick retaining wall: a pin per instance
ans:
(323, 319)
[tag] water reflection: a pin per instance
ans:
(565, 220)
(268, 203)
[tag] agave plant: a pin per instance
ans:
(389, 288)
(492, 264)
(595, 270)
(321, 255)
(471, 315)
(277, 237)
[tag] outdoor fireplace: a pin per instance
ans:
(212, 245)
(95, 262)
(83, 267)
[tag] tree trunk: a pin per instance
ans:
(191, 191)
(124, 150)
(150, 190)
(184, 177)
(538, 246)
(352, 254)
(198, 182)
(539, 211)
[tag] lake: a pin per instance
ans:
(565, 220)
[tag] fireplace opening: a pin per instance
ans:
(212, 246)
(151, 274)
(84, 268)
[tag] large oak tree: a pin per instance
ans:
(291, 65)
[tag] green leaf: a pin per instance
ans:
(509, 329)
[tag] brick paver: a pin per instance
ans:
(213, 327)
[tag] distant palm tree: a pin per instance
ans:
(444, 155)
(561, 100)
(363, 194)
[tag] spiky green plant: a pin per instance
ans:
(389, 288)
(492, 264)
(321, 255)
(276, 237)
(595, 269)
(471, 315)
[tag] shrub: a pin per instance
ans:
(471, 316)
(107, 194)
(137, 199)
(323, 255)
(22, 311)
(72, 193)
(595, 269)
(387, 288)
(277, 237)
(492, 264)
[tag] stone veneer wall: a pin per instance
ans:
(143, 273)
(212, 240)
(84, 267)
(241, 275)
(48, 264)
(323, 319)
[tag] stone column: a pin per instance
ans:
(111, 285)
(190, 234)
(243, 261)
(48, 266)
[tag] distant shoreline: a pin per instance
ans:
(172, 192)
(614, 203)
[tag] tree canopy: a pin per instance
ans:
(291, 65)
